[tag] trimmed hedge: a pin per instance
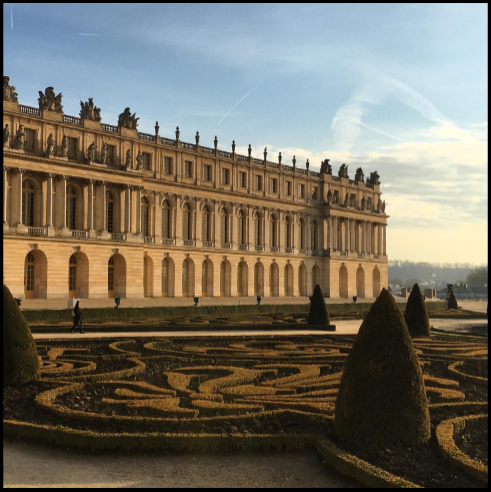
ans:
(452, 301)
(416, 314)
(20, 358)
(382, 396)
(126, 314)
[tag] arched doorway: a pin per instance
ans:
(242, 279)
(207, 279)
(78, 276)
(288, 280)
(147, 276)
(35, 275)
(302, 280)
(225, 279)
(343, 282)
(116, 276)
(274, 280)
(360, 283)
(188, 278)
(258, 279)
(167, 278)
(376, 282)
(316, 276)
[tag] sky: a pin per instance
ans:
(400, 89)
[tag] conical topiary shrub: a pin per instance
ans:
(318, 314)
(382, 396)
(452, 301)
(416, 314)
(20, 359)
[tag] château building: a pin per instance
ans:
(92, 210)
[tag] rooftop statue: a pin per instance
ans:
(20, 138)
(6, 136)
(373, 179)
(91, 152)
(359, 175)
(329, 197)
(64, 146)
(382, 207)
(50, 147)
(127, 163)
(128, 120)
(9, 93)
(104, 153)
(326, 168)
(90, 112)
(49, 101)
(139, 160)
(343, 171)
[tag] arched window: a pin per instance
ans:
(242, 228)
(313, 235)
(166, 220)
(71, 208)
(273, 231)
(28, 203)
(301, 234)
(242, 279)
(225, 226)
(187, 222)
(145, 217)
(72, 276)
(110, 277)
(110, 212)
(258, 229)
(185, 278)
(206, 224)
(29, 276)
(207, 279)
(288, 232)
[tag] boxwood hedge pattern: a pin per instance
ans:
(227, 393)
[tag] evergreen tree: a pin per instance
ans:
(318, 314)
(452, 301)
(416, 314)
(20, 359)
(382, 396)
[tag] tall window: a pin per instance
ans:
(29, 273)
(259, 182)
(109, 212)
(313, 235)
(165, 277)
(302, 191)
(110, 154)
(166, 220)
(224, 225)
(28, 203)
(72, 274)
(168, 165)
(242, 228)
(185, 279)
(274, 185)
(145, 217)
(110, 275)
(29, 141)
(288, 232)
(242, 180)
(188, 169)
(273, 232)
(146, 161)
(226, 176)
(207, 173)
(72, 148)
(71, 207)
(258, 229)
(302, 234)
(206, 224)
(186, 222)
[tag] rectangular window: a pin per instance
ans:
(72, 278)
(274, 185)
(29, 142)
(242, 180)
(168, 165)
(111, 154)
(188, 169)
(30, 277)
(226, 176)
(207, 173)
(302, 191)
(314, 193)
(72, 148)
(146, 161)
(288, 188)
(259, 182)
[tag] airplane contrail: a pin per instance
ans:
(240, 101)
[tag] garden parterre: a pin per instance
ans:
(248, 393)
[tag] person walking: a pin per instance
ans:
(77, 317)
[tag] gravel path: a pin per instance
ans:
(32, 465)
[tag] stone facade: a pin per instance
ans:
(140, 215)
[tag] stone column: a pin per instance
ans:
(347, 239)
(250, 230)
(153, 211)
(49, 199)
(379, 239)
(178, 222)
(266, 238)
(127, 210)
(198, 235)
(216, 227)
(385, 239)
(357, 237)
(329, 233)
(335, 233)
(104, 205)
(5, 192)
(138, 210)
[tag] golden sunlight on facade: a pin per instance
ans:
(96, 211)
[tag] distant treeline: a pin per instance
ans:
(407, 273)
